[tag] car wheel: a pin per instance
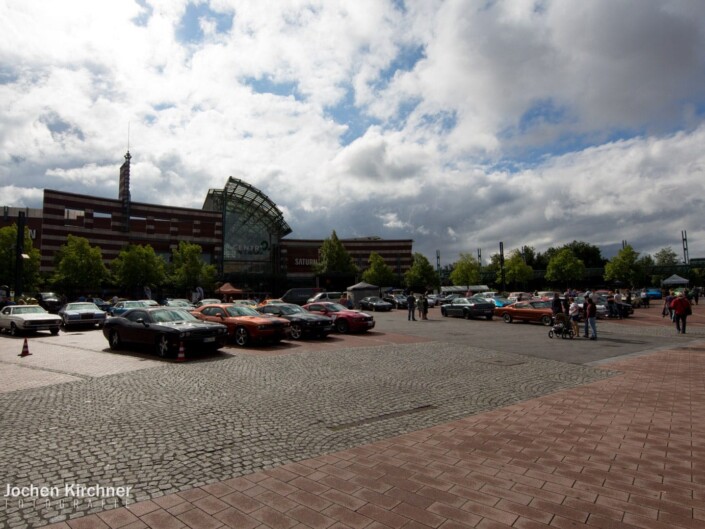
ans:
(489, 317)
(241, 337)
(546, 320)
(14, 331)
(341, 326)
(163, 346)
(296, 331)
(508, 318)
(444, 313)
(466, 315)
(114, 340)
(54, 332)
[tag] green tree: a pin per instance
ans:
(589, 254)
(421, 276)
(466, 271)
(623, 267)
(516, 270)
(666, 257)
(188, 270)
(30, 267)
(379, 273)
(79, 267)
(334, 258)
(137, 267)
(564, 267)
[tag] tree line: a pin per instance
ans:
(79, 268)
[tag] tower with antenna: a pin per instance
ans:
(124, 186)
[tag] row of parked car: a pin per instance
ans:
(524, 307)
(210, 325)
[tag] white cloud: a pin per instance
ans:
(532, 123)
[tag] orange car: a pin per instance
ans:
(537, 311)
(245, 324)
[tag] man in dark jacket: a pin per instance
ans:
(411, 305)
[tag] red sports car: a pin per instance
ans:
(537, 311)
(344, 319)
(245, 324)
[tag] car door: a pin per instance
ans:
(522, 311)
(135, 331)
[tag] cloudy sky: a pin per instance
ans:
(455, 123)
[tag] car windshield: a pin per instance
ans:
(168, 315)
(241, 310)
(335, 307)
(49, 295)
(290, 309)
(29, 310)
(81, 306)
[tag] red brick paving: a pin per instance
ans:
(626, 452)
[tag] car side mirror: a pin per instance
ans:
(141, 320)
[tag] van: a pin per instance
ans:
(325, 296)
(299, 296)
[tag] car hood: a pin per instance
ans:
(34, 317)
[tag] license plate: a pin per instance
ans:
(370, 323)
(209, 339)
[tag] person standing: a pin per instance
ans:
(556, 305)
(591, 319)
(411, 306)
(574, 315)
(681, 309)
(667, 305)
(424, 306)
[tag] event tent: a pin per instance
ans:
(675, 280)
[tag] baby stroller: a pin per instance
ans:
(561, 327)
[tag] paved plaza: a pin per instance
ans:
(441, 423)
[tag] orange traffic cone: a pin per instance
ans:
(182, 354)
(25, 349)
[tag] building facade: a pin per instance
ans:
(240, 230)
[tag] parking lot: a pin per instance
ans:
(76, 412)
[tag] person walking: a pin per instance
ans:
(411, 306)
(681, 310)
(667, 310)
(591, 319)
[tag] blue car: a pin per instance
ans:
(654, 293)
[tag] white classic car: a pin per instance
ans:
(28, 318)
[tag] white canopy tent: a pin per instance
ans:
(674, 280)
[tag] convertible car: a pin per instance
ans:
(165, 329)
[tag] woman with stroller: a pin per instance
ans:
(574, 315)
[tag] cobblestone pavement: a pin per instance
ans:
(200, 427)
(176, 426)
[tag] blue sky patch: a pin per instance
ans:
(346, 113)
(405, 61)
(265, 85)
(544, 111)
(189, 29)
(143, 18)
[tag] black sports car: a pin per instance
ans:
(469, 308)
(165, 329)
(303, 322)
